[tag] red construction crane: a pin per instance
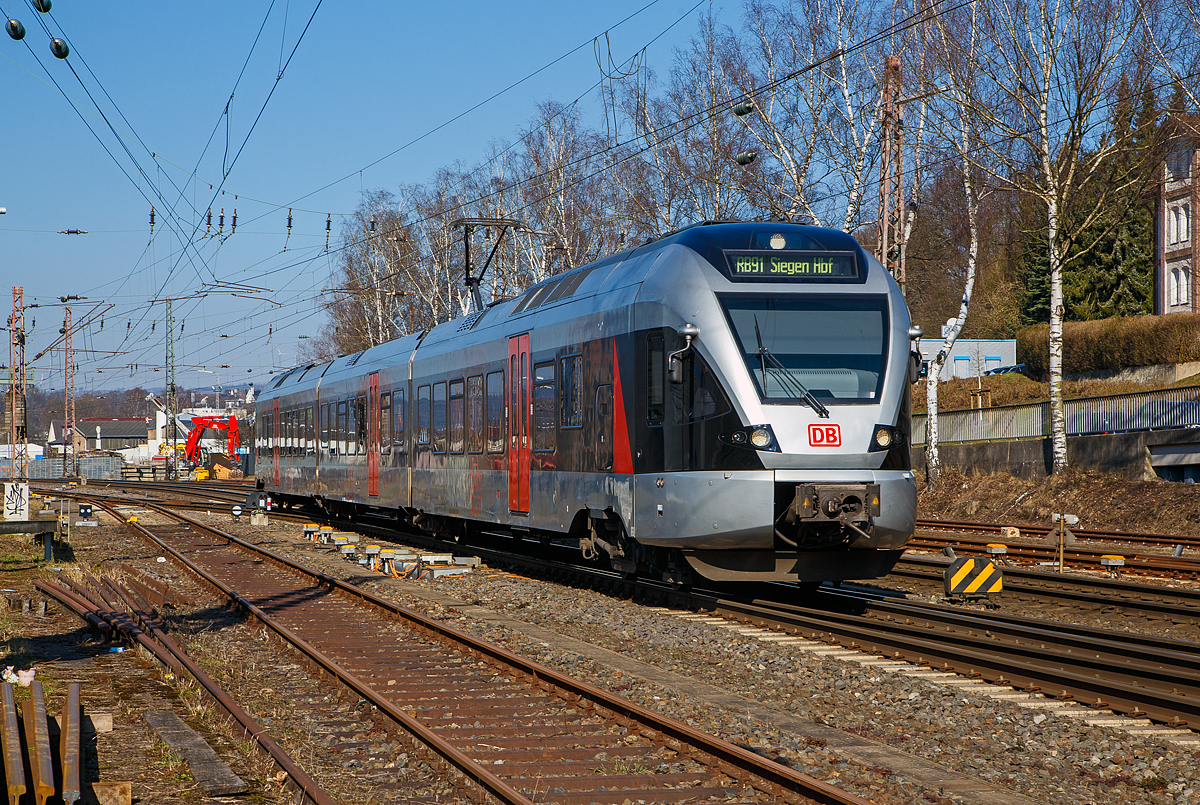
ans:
(200, 423)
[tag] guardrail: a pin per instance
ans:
(1117, 413)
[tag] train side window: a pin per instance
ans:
(289, 421)
(456, 416)
(475, 414)
(360, 414)
(654, 379)
(351, 427)
(323, 427)
(495, 412)
(398, 420)
(543, 406)
(309, 441)
(341, 428)
(571, 412)
(423, 415)
(385, 423)
(439, 417)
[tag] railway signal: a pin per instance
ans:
(1061, 536)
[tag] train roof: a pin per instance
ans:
(709, 239)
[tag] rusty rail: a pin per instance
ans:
(146, 633)
(37, 742)
(14, 759)
(725, 757)
(69, 746)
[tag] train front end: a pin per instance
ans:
(808, 342)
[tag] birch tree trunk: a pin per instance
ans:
(933, 464)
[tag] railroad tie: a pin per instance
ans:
(214, 777)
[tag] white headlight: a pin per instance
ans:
(883, 437)
(760, 438)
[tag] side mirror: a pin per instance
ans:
(674, 365)
(674, 370)
(914, 367)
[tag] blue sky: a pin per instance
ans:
(365, 79)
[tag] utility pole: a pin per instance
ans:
(890, 249)
(172, 404)
(18, 432)
(68, 398)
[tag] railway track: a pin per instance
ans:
(1043, 531)
(1132, 674)
(495, 722)
(1128, 597)
(1074, 555)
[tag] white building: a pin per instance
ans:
(971, 357)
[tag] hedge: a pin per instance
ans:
(1111, 344)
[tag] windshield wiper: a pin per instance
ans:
(786, 378)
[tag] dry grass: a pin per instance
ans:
(1014, 389)
(1104, 502)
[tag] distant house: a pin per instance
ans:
(1177, 193)
(970, 357)
(103, 433)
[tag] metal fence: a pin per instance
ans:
(1118, 413)
(94, 468)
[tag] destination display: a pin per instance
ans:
(792, 266)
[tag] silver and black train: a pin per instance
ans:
(731, 400)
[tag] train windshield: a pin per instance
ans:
(834, 346)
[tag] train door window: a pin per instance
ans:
(604, 428)
(655, 403)
(699, 396)
(398, 419)
(543, 406)
(571, 411)
(423, 415)
(340, 434)
(512, 390)
(475, 414)
(495, 412)
(439, 417)
(360, 433)
(385, 423)
(456, 416)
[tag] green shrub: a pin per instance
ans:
(1111, 344)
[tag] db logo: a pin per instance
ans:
(824, 436)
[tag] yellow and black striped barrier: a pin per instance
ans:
(973, 576)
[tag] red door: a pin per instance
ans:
(520, 407)
(275, 439)
(373, 434)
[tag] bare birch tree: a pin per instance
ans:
(1050, 68)
(957, 44)
(819, 100)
